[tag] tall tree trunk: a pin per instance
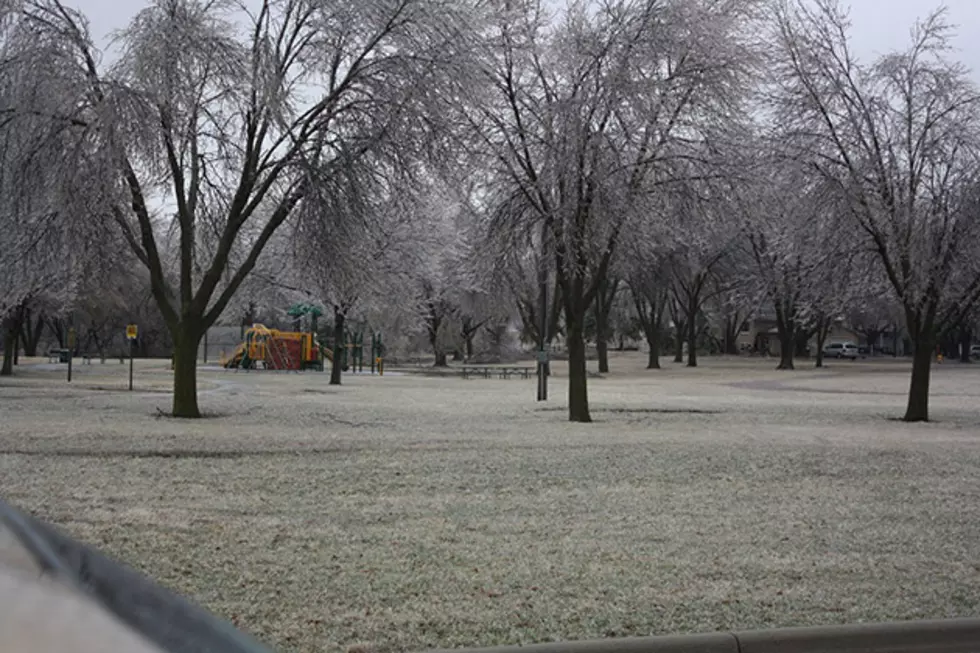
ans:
(801, 343)
(457, 355)
(57, 326)
(578, 396)
(650, 306)
(653, 359)
(601, 346)
(17, 325)
(337, 366)
(531, 318)
(434, 322)
(653, 340)
(732, 327)
(785, 353)
(966, 341)
(9, 344)
(30, 333)
(873, 336)
(680, 328)
(186, 339)
(496, 332)
(603, 307)
(692, 335)
(602, 352)
(469, 331)
(823, 330)
(554, 318)
(918, 404)
(786, 326)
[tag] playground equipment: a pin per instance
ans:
(271, 349)
(352, 352)
(298, 311)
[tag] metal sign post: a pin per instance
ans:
(131, 332)
(543, 368)
(543, 375)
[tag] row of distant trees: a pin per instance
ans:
(447, 168)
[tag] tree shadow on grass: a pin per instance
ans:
(639, 411)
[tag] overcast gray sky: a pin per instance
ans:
(879, 25)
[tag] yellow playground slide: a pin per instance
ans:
(235, 359)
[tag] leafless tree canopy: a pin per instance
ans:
(662, 170)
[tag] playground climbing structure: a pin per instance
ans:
(271, 349)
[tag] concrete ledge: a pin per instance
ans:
(717, 643)
(943, 636)
(40, 614)
(147, 610)
(72, 587)
(13, 555)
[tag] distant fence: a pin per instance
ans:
(943, 636)
(219, 344)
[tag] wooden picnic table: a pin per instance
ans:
(501, 371)
(58, 355)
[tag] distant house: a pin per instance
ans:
(760, 335)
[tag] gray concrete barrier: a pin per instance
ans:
(717, 643)
(944, 636)
(30, 548)
(168, 621)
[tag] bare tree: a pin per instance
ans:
(703, 239)
(605, 299)
(650, 288)
(733, 303)
(579, 116)
(516, 266)
(235, 126)
(791, 235)
(47, 232)
(898, 139)
(872, 314)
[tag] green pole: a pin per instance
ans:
(343, 351)
(360, 351)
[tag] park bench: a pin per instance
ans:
(58, 355)
(87, 358)
(486, 371)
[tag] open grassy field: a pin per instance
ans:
(408, 512)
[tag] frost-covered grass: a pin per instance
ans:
(408, 512)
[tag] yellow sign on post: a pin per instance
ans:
(131, 331)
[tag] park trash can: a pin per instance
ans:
(60, 594)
